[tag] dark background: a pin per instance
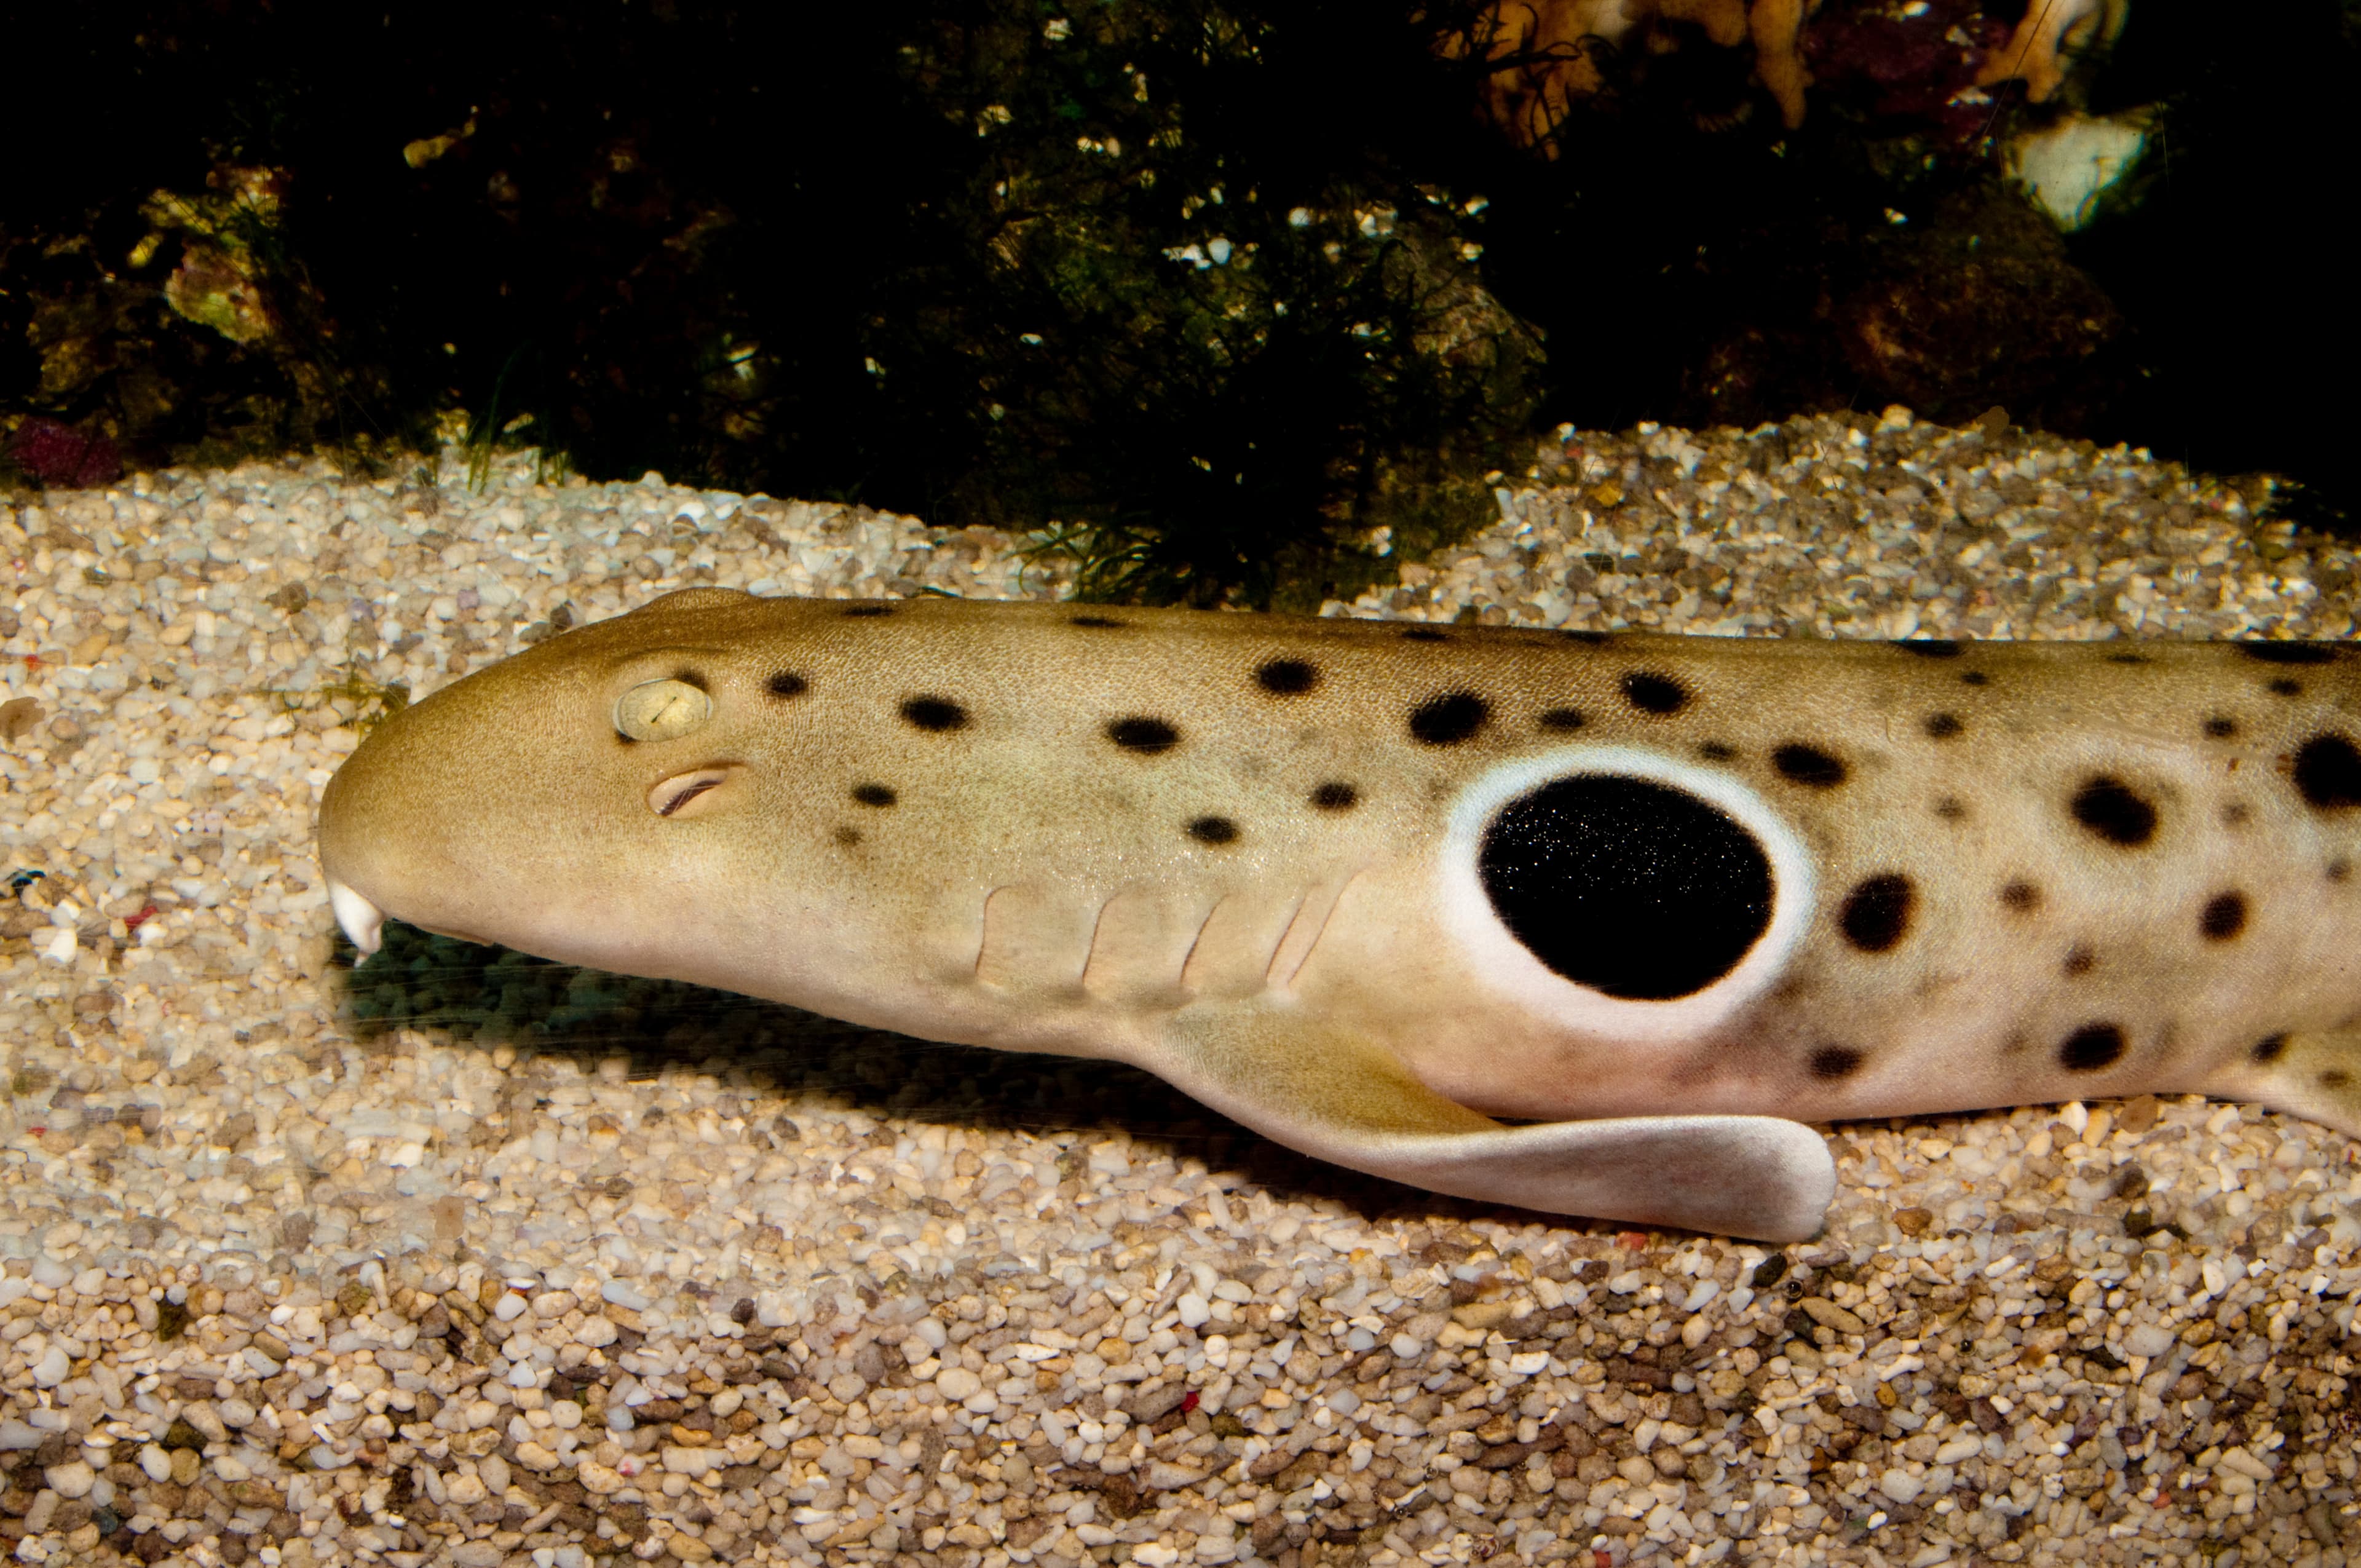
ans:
(809, 249)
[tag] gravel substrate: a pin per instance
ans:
(463, 1258)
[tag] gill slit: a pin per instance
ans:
(1181, 979)
(1091, 948)
(1271, 964)
(983, 931)
(1328, 914)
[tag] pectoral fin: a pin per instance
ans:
(2315, 1074)
(1339, 1097)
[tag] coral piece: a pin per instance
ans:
(1777, 26)
(2068, 167)
(217, 283)
(1543, 52)
(2050, 28)
(1914, 63)
(59, 456)
(1979, 301)
(1543, 60)
(1921, 58)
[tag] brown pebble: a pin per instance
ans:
(17, 716)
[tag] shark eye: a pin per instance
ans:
(661, 710)
(679, 795)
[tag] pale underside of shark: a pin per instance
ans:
(1370, 887)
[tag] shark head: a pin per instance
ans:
(575, 801)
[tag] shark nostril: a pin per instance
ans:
(681, 791)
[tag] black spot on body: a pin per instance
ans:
(2090, 1048)
(848, 836)
(1651, 692)
(2340, 869)
(1931, 647)
(2126, 658)
(1943, 725)
(2269, 1049)
(873, 795)
(1589, 639)
(2114, 811)
(787, 684)
(2287, 652)
(1716, 752)
(1214, 830)
(1287, 677)
(1562, 720)
(1876, 915)
(1631, 887)
(1951, 810)
(2219, 728)
(2234, 812)
(2223, 916)
(1974, 678)
(1335, 797)
(692, 678)
(2284, 687)
(1143, 734)
(936, 715)
(1448, 720)
(2335, 1077)
(1425, 634)
(1096, 623)
(1803, 764)
(2079, 960)
(2328, 773)
(868, 611)
(2021, 896)
(1836, 1061)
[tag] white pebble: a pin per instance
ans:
(73, 1479)
(1901, 1485)
(1194, 1309)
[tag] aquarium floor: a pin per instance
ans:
(458, 1258)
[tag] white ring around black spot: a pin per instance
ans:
(1502, 963)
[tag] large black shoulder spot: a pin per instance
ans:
(1637, 889)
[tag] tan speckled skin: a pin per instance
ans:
(1034, 887)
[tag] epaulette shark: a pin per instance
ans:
(1586, 924)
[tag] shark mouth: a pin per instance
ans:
(363, 922)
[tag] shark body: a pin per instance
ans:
(1369, 887)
